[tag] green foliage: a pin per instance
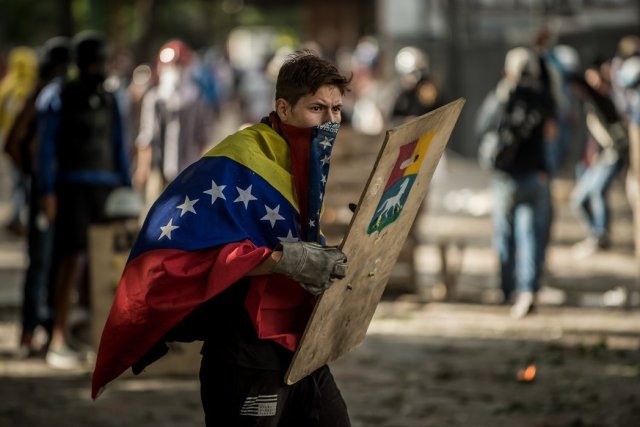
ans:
(200, 23)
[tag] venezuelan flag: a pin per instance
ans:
(217, 221)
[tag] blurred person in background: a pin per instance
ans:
(15, 88)
(372, 97)
(563, 64)
(419, 93)
(605, 156)
(141, 82)
(628, 47)
(174, 124)
(624, 94)
(255, 90)
(205, 76)
(119, 72)
(22, 145)
(82, 158)
(628, 77)
(519, 116)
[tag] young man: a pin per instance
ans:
(23, 143)
(231, 254)
(81, 159)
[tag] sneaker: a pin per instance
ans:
(604, 242)
(524, 305)
(64, 358)
(24, 346)
(585, 248)
(85, 351)
(17, 228)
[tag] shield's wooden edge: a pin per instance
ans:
(318, 345)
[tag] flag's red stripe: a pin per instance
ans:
(157, 290)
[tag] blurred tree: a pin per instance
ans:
(141, 25)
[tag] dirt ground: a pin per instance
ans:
(433, 364)
(424, 362)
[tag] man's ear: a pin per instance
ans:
(282, 109)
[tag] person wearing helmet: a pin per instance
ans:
(15, 88)
(22, 145)
(173, 122)
(419, 92)
(513, 124)
(82, 158)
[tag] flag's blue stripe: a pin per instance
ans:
(224, 221)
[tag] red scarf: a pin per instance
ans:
(299, 140)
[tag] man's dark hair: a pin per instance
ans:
(89, 47)
(303, 73)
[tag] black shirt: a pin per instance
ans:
(229, 334)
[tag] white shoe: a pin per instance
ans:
(64, 358)
(524, 305)
(585, 248)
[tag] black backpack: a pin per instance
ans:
(519, 120)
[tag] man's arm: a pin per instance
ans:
(144, 138)
(312, 265)
(48, 105)
(267, 265)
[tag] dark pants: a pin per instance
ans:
(237, 396)
(589, 197)
(35, 309)
(79, 206)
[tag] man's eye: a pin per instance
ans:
(337, 109)
(316, 108)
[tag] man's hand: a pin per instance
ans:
(313, 265)
(49, 204)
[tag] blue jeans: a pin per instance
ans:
(589, 197)
(20, 188)
(521, 215)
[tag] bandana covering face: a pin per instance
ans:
(217, 221)
(310, 168)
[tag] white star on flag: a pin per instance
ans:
(216, 192)
(324, 179)
(312, 223)
(289, 238)
(325, 160)
(245, 196)
(187, 206)
(325, 143)
(167, 229)
(272, 215)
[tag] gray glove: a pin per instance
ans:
(313, 265)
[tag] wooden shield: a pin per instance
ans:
(387, 208)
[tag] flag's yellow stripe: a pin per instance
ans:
(262, 150)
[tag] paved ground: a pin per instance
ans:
(425, 362)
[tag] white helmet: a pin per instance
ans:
(629, 73)
(522, 60)
(410, 59)
(123, 203)
(567, 57)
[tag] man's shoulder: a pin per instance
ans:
(248, 139)
(49, 96)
